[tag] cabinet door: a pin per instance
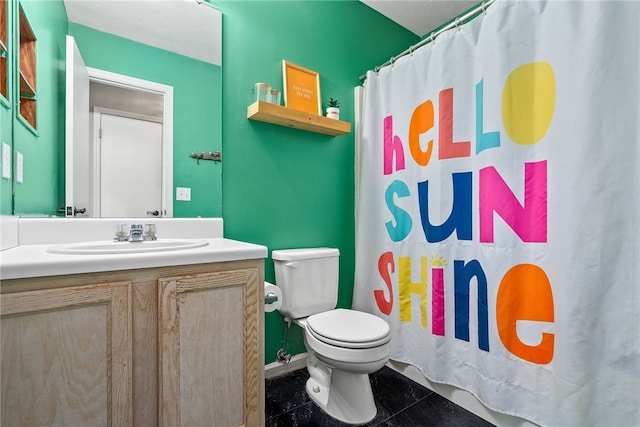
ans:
(66, 356)
(208, 349)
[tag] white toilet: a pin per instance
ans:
(343, 346)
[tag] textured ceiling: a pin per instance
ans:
(420, 16)
(194, 29)
(189, 28)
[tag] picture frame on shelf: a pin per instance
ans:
(301, 88)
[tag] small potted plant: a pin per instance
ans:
(333, 109)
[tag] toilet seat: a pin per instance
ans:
(349, 329)
(345, 357)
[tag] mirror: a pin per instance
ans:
(151, 97)
(194, 127)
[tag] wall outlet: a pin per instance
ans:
(19, 167)
(183, 193)
(6, 161)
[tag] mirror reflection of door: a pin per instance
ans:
(119, 143)
(129, 178)
(77, 145)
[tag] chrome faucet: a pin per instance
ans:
(135, 233)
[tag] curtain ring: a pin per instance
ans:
(484, 7)
(432, 39)
(391, 61)
(376, 69)
(411, 50)
(457, 23)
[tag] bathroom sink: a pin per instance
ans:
(110, 247)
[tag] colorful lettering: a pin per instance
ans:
(385, 267)
(529, 222)
(421, 122)
(437, 301)
(392, 148)
(483, 140)
(407, 288)
(460, 219)
(447, 149)
(402, 218)
(525, 294)
(463, 273)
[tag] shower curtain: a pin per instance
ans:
(498, 209)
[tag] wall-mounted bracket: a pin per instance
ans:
(216, 156)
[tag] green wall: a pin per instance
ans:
(283, 188)
(42, 191)
(6, 116)
(286, 188)
(196, 109)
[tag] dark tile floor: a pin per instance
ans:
(401, 402)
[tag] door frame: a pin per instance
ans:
(128, 82)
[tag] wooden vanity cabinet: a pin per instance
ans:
(66, 356)
(170, 346)
(209, 373)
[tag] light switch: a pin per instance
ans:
(19, 168)
(183, 193)
(6, 161)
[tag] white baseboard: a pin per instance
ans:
(276, 369)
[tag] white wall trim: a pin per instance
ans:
(276, 369)
(94, 155)
(127, 114)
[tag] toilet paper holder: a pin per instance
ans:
(270, 298)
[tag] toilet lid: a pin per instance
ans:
(349, 328)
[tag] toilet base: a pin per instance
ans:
(348, 399)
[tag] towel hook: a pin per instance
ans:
(216, 156)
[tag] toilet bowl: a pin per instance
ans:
(343, 346)
(340, 358)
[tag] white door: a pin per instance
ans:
(77, 155)
(130, 167)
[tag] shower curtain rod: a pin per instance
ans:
(455, 22)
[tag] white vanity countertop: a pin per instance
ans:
(25, 242)
(34, 261)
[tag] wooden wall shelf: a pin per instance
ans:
(26, 90)
(283, 116)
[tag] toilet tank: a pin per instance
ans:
(308, 279)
